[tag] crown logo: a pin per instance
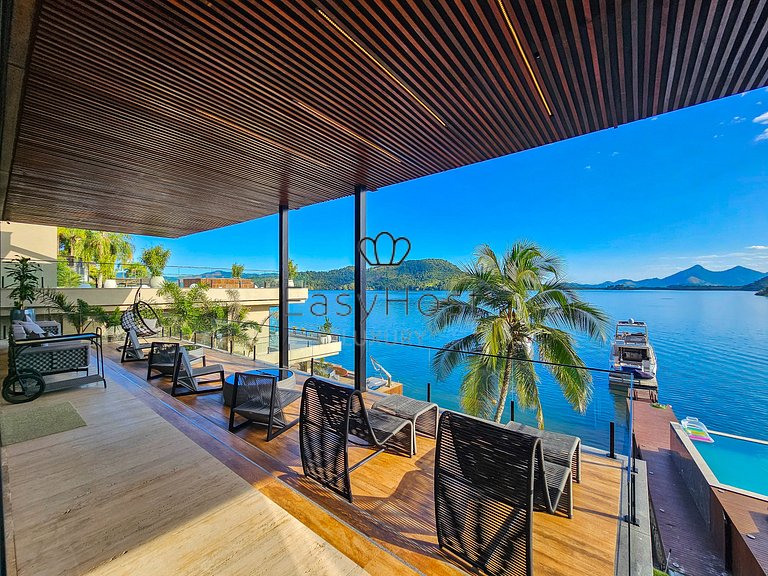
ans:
(385, 249)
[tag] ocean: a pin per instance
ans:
(711, 346)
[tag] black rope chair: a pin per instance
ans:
(163, 358)
(487, 479)
(139, 321)
(258, 399)
(332, 416)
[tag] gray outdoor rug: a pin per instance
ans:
(20, 423)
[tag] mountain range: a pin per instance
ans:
(436, 274)
(694, 277)
(426, 274)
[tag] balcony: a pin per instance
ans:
(156, 484)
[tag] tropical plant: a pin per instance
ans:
(520, 307)
(188, 310)
(99, 250)
(326, 327)
(71, 242)
(66, 277)
(237, 270)
(293, 269)
(235, 329)
(155, 259)
(135, 270)
(79, 313)
(25, 281)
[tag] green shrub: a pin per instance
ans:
(155, 259)
(66, 277)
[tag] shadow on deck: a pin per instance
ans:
(393, 495)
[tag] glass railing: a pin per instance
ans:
(134, 275)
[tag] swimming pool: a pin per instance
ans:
(737, 462)
(731, 463)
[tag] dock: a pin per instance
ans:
(623, 382)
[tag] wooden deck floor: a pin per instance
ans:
(393, 503)
(130, 493)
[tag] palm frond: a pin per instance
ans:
(479, 388)
(453, 354)
(556, 346)
(526, 385)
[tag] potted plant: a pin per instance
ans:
(25, 281)
(155, 259)
(293, 271)
(111, 321)
(326, 328)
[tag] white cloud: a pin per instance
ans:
(757, 247)
(762, 119)
(588, 167)
(738, 119)
(615, 154)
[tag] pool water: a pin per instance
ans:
(737, 462)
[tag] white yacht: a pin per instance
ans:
(631, 350)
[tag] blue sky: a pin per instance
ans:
(645, 199)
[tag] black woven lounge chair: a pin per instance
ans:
(562, 449)
(487, 481)
(187, 378)
(257, 398)
(164, 356)
(332, 416)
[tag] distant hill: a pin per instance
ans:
(427, 274)
(694, 277)
(760, 287)
(760, 284)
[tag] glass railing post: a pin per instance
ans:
(612, 442)
(511, 410)
(429, 392)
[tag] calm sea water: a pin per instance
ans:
(712, 350)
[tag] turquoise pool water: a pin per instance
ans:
(738, 463)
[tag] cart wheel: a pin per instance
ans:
(24, 386)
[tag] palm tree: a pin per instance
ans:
(71, 242)
(520, 308)
(236, 329)
(103, 250)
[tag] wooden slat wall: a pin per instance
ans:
(171, 117)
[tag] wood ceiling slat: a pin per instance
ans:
(743, 30)
(674, 56)
(757, 50)
(170, 117)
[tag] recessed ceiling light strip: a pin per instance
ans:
(522, 52)
(262, 138)
(346, 130)
(373, 59)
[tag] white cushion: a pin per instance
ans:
(18, 331)
(32, 329)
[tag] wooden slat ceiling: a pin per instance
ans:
(172, 117)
